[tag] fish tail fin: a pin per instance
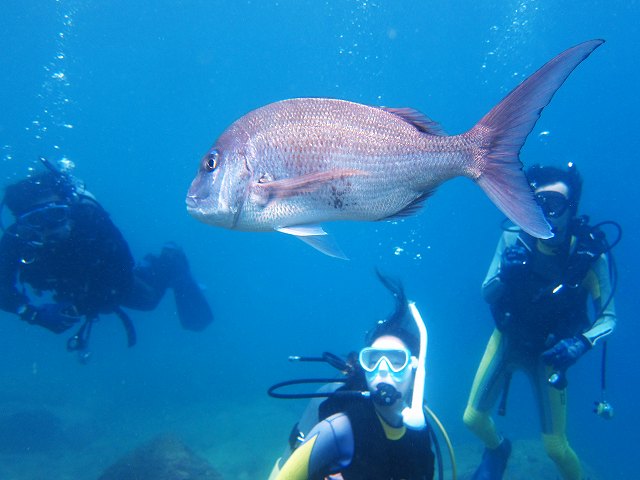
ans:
(501, 133)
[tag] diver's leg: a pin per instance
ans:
(552, 404)
(170, 269)
(490, 380)
(193, 309)
(145, 293)
(487, 385)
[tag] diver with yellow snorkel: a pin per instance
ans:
(373, 426)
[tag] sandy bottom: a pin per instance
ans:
(241, 443)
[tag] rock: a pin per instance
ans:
(30, 431)
(163, 458)
(528, 461)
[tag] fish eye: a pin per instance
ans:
(212, 160)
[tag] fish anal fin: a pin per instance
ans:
(411, 208)
(418, 119)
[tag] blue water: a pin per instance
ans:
(133, 93)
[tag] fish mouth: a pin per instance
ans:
(192, 202)
(197, 195)
(217, 216)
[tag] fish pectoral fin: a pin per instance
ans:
(288, 187)
(303, 230)
(316, 237)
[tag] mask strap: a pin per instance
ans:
(413, 416)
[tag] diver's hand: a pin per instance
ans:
(513, 265)
(566, 352)
(57, 317)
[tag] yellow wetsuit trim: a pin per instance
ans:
(297, 465)
(555, 443)
(478, 422)
(276, 469)
(563, 455)
(392, 433)
(489, 353)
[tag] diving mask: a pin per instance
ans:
(553, 203)
(49, 216)
(396, 359)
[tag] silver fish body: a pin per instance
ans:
(294, 164)
(375, 164)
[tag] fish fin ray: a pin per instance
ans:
(411, 208)
(316, 237)
(418, 119)
(504, 130)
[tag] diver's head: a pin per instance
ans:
(392, 348)
(389, 361)
(40, 203)
(37, 191)
(557, 191)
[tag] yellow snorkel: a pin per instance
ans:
(413, 415)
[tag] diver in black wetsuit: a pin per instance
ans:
(63, 242)
(358, 437)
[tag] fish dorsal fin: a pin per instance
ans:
(418, 119)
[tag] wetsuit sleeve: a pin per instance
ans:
(10, 297)
(598, 282)
(492, 287)
(327, 449)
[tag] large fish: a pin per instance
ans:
(293, 164)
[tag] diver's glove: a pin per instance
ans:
(57, 317)
(513, 265)
(566, 352)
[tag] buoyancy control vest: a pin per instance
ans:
(551, 297)
(91, 267)
(375, 456)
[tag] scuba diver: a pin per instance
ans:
(538, 294)
(64, 243)
(373, 426)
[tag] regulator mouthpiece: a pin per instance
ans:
(385, 395)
